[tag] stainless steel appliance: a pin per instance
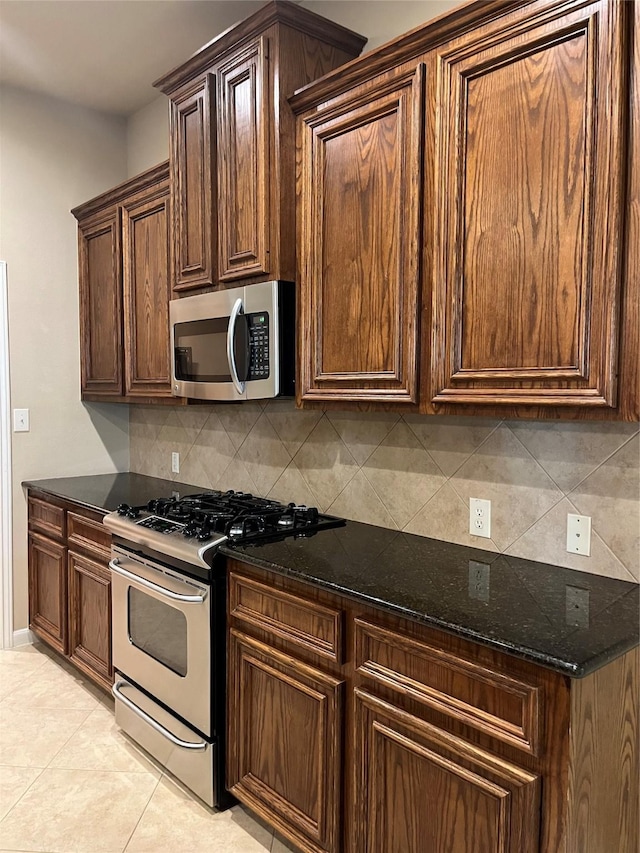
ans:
(236, 344)
(168, 617)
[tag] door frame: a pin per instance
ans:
(6, 532)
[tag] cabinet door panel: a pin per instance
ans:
(146, 291)
(90, 618)
(244, 163)
(360, 215)
(419, 788)
(530, 162)
(193, 184)
(284, 748)
(48, 591)
(100, 304)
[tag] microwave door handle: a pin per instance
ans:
(235, 312)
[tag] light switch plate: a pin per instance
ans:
(21, 420)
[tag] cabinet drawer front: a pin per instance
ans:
(303, 624)
(46, 518)
(88, 534)
(491, 702)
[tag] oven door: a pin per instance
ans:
(162, 635)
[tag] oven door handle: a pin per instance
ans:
(184, 744)
(231, 334)
(167, 593)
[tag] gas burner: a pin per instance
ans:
(196, 525)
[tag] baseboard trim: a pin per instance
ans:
(23, 637)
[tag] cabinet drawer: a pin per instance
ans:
(88, 534)
(46, 518)
(301, 623)
(491, 702)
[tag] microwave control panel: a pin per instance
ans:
(258, 325)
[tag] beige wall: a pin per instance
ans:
(417, 473)
(148, 136)
(52, 157)
(379, 20)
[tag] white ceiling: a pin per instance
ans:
(105, 54)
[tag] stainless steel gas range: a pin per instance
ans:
(168, 615)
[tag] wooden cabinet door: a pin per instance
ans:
(193, 186)
(146, 293)
(284, 743)
(531, 165)
(419, 788)
(243, 199)
(48, 591)
(359, 208)
(101, 353)
(89, 590)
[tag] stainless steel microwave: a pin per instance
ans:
(236, 344)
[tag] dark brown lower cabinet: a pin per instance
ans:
(89, 597)
(352, 730)
(48, 591)
(418, 787)
(285, 742)
(70, 583)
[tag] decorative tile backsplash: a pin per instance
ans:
(416, 473)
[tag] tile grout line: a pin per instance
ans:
(142, 813)
(604, 461)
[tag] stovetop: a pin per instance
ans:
(193, 528)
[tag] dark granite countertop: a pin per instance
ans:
(569, 621)
(108, 491)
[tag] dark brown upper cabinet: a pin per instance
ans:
(124, 280)
(100, 280)
(361, 166)
(233, 144)
(192, 174)
(503, 205)
(532, 171)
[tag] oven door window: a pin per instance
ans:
(159, 630)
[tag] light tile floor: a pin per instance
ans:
(71, 782)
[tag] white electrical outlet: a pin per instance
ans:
(480, 517)
(579, 534)
(175, 463)
(21, 420)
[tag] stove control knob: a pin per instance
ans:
(190, 529)
(203, 534)
(128, 511)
